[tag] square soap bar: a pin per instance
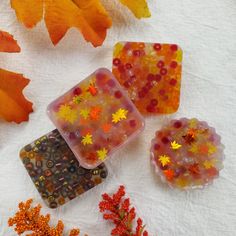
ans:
(96, 118)
(151, 72)
(56, 172)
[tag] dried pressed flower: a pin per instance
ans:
(117, 209)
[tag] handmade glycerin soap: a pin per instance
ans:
(56, 172)
(96, 118)
(187, 153)
(151, 72)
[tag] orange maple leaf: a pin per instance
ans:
(138, 7)
(13, 105)
(89, 16)
(8, 43)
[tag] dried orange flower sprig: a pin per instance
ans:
(117, 209)
(29, 220)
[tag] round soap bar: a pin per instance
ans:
(187, 153)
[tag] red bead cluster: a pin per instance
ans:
(117, 210)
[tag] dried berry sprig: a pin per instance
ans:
(117, 209)
(29, 220)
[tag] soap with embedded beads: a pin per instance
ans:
(56, 172)
(151, 73)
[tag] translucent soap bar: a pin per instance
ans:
(151, 72)
(96, 118)
(56, 172)
(187, 153)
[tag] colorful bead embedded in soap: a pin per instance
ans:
(187, 153)
(151, 73)
(96, 118)
(56, 172)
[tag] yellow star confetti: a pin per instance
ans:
(119, 115)
(208, 164)
(77, 99)
(212, 149)
(87, 139)
(181, 182)
(175, 145)
(66, 113)
(194, 148)
(84, 113)
(85, 96)
(192, 123)
(102, 154)
(164, 160)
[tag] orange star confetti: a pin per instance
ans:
(192, 132)
(198, 159)
(169, 174)
(106, 127)
(203, 149)
(92, 89)
(95, 113)
(212, 172)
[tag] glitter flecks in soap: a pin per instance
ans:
(56, 172)
(187, 153)
(151, 72)
(96, 118)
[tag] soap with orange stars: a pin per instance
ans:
(187, 153)
(96, 118)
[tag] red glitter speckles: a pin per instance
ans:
(96, 117)
(187, 153)
(156, 68)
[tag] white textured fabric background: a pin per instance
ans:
(206, 31)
